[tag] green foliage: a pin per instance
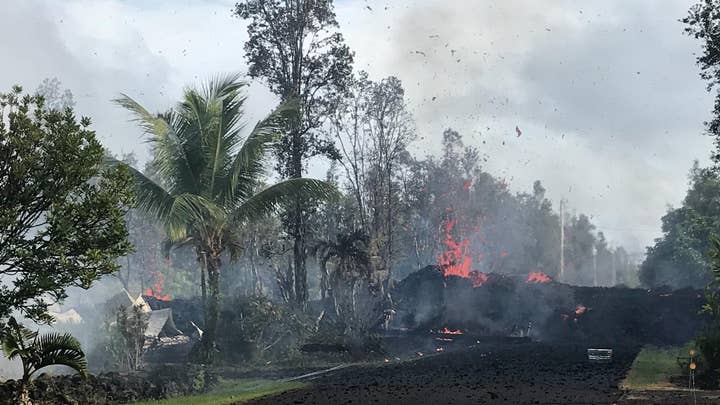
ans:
(352, 300)
(131, 323)
(61, 212)
(295, 46)
(709, 345)
(37, 351)
(703, 23)
(680, 257)
(231, 392)
(208, 178)
(709, 340)
(256, 328)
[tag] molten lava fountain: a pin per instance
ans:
(457, 261)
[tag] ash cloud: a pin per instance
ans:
(607, 96)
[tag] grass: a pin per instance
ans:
(229, 392)
(654, 366)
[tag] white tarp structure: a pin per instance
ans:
(160, 321)
(124, 299)
(161, 324)
(69, 317)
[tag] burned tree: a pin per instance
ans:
(373, 128)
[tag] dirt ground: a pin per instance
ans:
(517, 373)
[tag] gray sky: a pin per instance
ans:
(607, 94)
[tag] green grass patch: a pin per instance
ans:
(229, 392)
(654, 366)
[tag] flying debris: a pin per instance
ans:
(369, 8)
(518, 131)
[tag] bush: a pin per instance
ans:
(254, 328)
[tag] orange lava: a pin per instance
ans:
(456, 260)
(478, 278)
(538, 277)
(156, 290)
(447, 331)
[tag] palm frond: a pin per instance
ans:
(167, 134)
(62, 349)
(16, 339)
(167, 245)
(224, 99)
(151, 124)
(177, 213)
(268, 200)
(249, 163)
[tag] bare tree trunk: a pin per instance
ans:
(213, 307)
(298, 225)
(203, 286)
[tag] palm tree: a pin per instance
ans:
(39, 351)
(209, 176)
(352, 263)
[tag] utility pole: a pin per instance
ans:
(614, 268)
(562, 240)
(594, 255)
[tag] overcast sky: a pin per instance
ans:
(607, 96)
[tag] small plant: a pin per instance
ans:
(39, 351)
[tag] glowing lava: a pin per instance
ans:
(156, 290)
(457, 259)
(478, 278)
(447, 331)
(580, 309)
(537, 277)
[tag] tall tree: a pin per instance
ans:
(295, 47)
(373, 128)
(703, 23)
(62, 213)
(210, 177)
(679, 258)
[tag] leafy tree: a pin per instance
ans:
(703, 23)
(295, 47)
(62, 213)
(679, 257)
(257, 327)
(131, 324)
(39, 351)
(209, 178)
(709, 340)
